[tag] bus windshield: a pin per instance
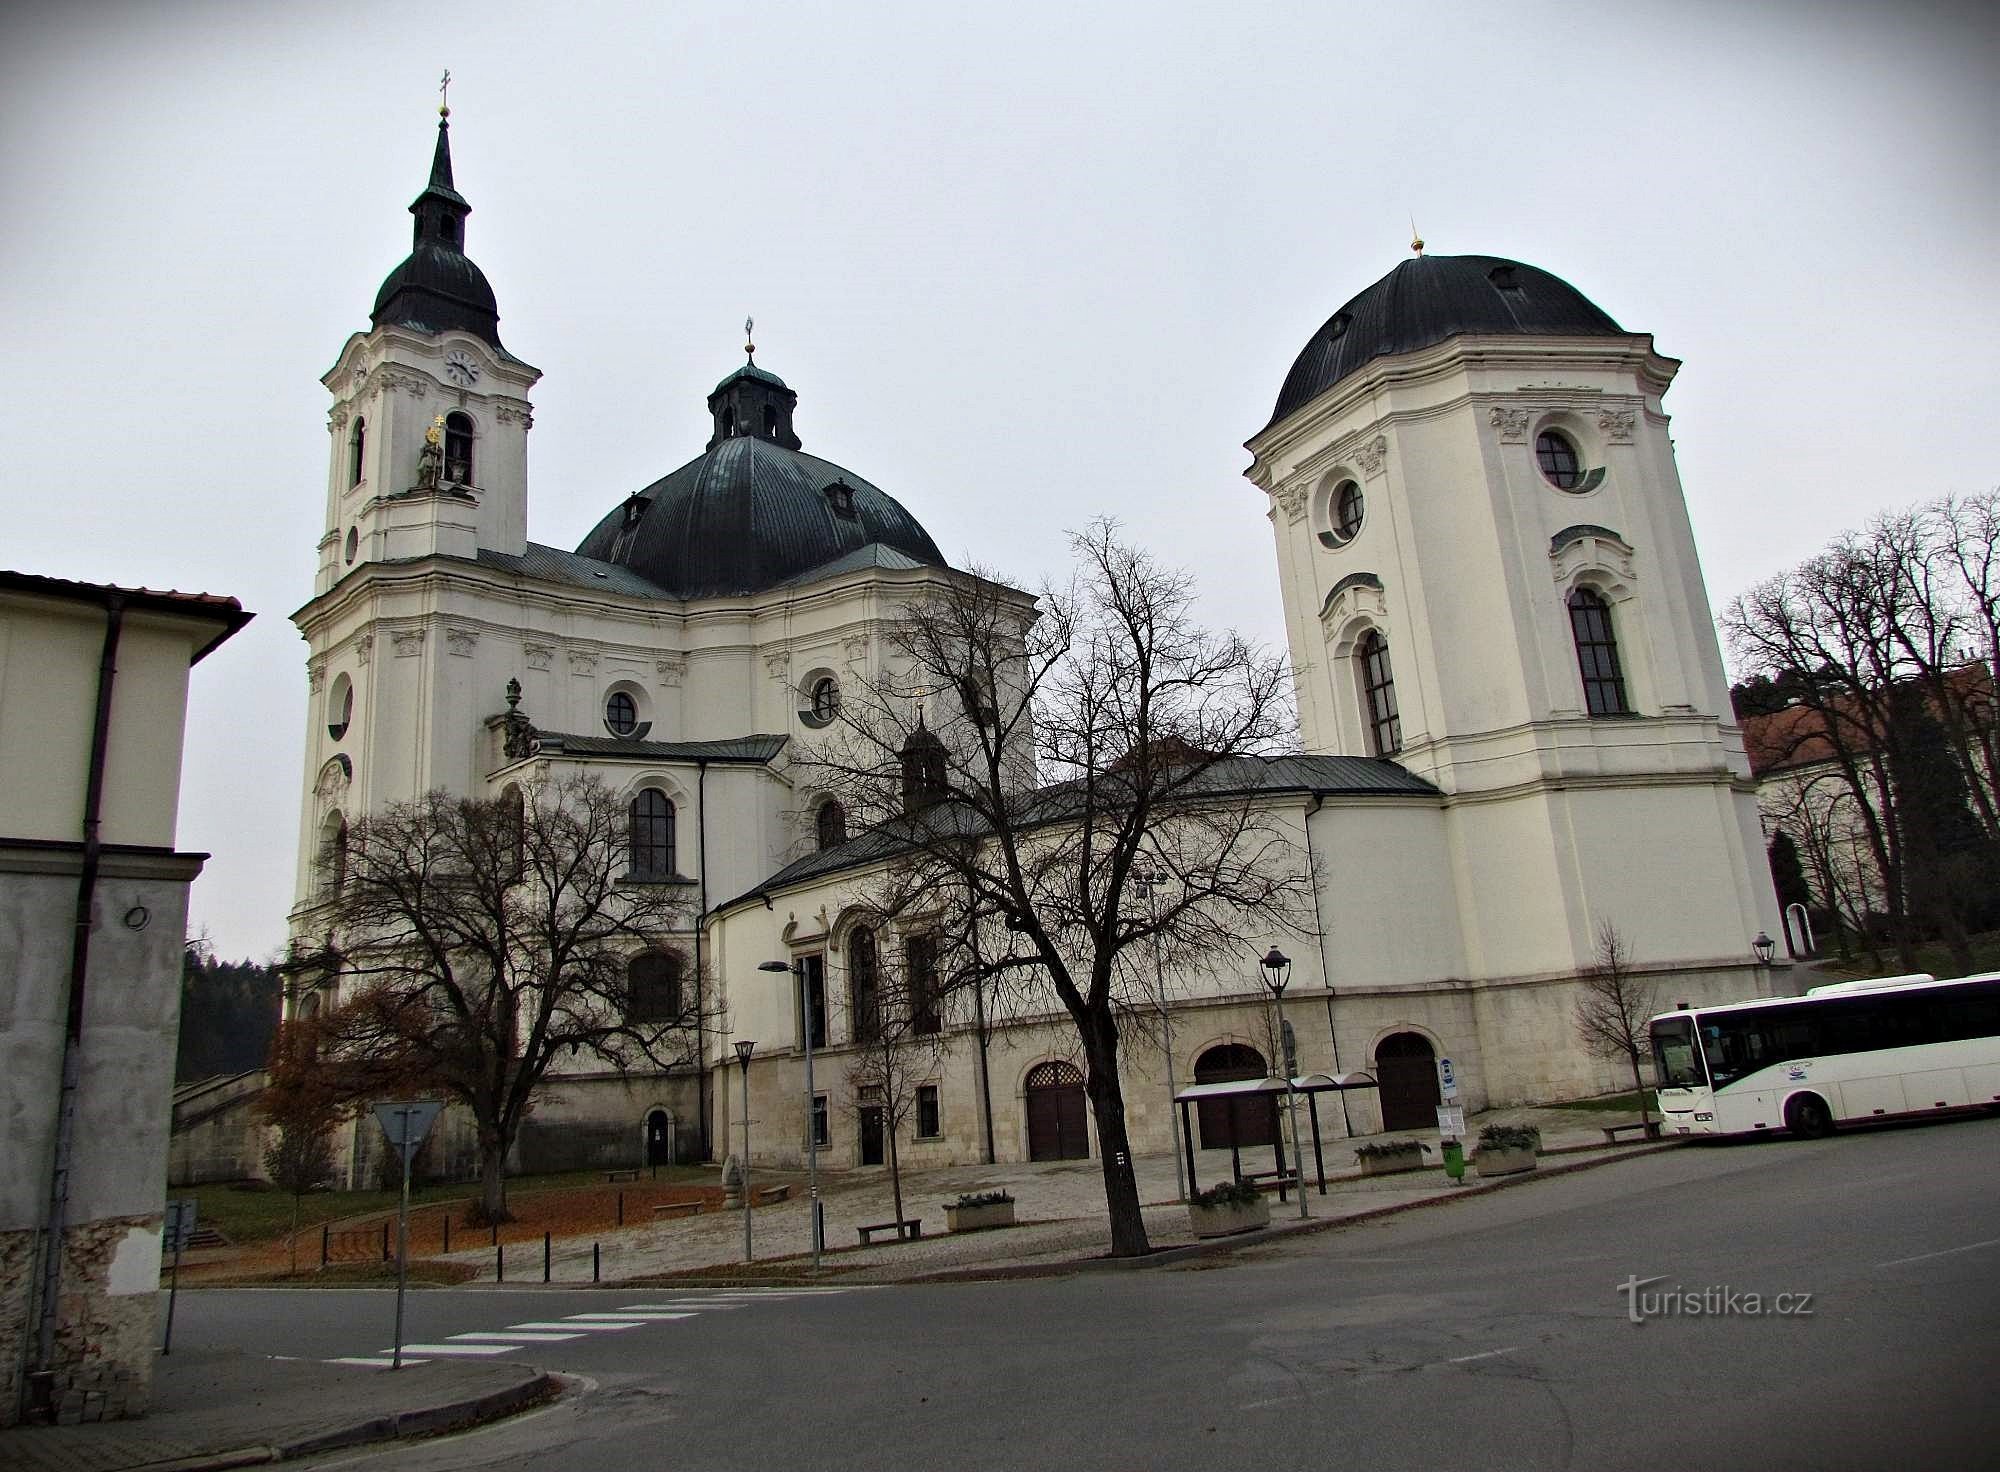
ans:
(1676, 1059)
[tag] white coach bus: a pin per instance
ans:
(1843, 1053)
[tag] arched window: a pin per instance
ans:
(458, 449)
(654, 987)
(333, 852)
(864, 994)
(924, 781)
(831, 824)
(514, 813)
(1597, 654)
(728, 420)
(357, 446)
(652, 834)
(1378, 689)
(770, 422)
(339, 707)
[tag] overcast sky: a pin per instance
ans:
(1023, 263)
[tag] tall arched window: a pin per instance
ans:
(654, 987)
(864, 994)
(333, 852)
(357, 446)
(1597, 654)
(1378, 689)
(831, 824)
(458, 449)
(514, 813)
(652, 834)
(770, 422)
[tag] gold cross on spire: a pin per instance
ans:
(444, 94)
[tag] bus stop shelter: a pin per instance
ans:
(1312, 1085)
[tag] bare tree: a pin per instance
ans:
(478, 943)
(900, 1047)
(302, 1101)
(1024, 763)
(1614, 1006)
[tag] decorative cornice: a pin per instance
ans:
(461, 641)
(671, 670)
(1511, 422)
(779, 665)
(582, 661)
(519, 414)
(1577, 548)
(1616, 425)
(315, 675)
(1293, 500)
(1358, 595)
(1369, 455)
(409, 642)
(538, 655)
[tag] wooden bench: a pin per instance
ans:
(622, 1175)
(909, 1230)
(768, 1195)
(1613, 1131)
(679, 1208)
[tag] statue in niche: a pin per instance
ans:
(430, 460)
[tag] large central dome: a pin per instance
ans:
(1428, 299)
(755, 511)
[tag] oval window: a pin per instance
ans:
(621, 714)
(1561, 466)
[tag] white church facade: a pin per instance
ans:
(1515, 720)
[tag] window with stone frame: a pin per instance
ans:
(1378, 690)
(930, 1122)
(652, 836)
(920, 960)
(864, 993)
(653, 987)
(1597, 654)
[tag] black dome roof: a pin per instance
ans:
(754, 510)
(437, 287)
(1427, 299)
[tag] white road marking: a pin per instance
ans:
(1466, 1359)
(573, 1325)
(1896, 1262)
(704, 1305)
(457, 1349)
(373, 1361)
(519, 1336)
(647, 1316)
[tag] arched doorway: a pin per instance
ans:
(1225, 1122)
(659, 1138)
(1056, 1122)
(1407, 1075)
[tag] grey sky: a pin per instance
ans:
(1023, 263)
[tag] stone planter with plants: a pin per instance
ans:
(1507, 1149)
(1387, 1157)
(1224, 1210)
(976, 1211)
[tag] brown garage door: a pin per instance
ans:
(1056, 1127)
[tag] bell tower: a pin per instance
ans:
(429, 426)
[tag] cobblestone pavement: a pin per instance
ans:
(1059, 1205)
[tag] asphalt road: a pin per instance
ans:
(1491, 1333)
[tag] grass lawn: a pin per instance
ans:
(245, 1216)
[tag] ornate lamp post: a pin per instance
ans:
(1765, 948)
(744, 1048)
(807, 1018)
(1277, 968)
(1150, 881)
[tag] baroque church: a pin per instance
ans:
(1515, 720)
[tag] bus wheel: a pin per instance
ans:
(1807, 1116)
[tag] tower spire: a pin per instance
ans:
(438, 287)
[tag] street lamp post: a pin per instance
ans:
(798, 969)
(1150, 883)
(1277, 968)
(1765, 948)
(744, 1048)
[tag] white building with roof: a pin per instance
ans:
(1515, 720)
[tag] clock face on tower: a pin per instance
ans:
(460, 368)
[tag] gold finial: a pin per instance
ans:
(444, 94)
(435, 434)
(749, 339)
(1416, 240)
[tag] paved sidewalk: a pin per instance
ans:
(215, 1410)
(1060, 1207)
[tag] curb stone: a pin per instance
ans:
(1277, 1231)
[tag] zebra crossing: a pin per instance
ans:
(515, 1338)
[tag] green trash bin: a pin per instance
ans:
(1454, 1159)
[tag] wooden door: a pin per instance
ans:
(871, 1134)
(1057, 1119)
(1406, 1073)
(1247, 1121)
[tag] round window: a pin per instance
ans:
(1347, 510)
(340, 707)
(353, 543)
(621, 714)
(1561, 466)
(826, 698)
